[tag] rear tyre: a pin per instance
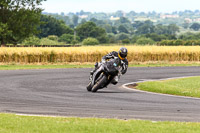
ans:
(98, 85)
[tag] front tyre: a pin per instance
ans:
(89, 86)
(99, 84)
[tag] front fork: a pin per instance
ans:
(90, 78)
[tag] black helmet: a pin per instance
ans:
(122, 53)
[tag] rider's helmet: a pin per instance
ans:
(122, 53)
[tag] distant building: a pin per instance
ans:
(145, 19)
(188, 20)
(114, 18)
(164, 16)
(197, 20)
(83, 16)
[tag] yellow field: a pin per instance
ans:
(95, 53)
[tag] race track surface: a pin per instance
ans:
(62, 92)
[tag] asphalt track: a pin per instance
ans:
(62, 92)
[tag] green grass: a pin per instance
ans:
(11, 123)
(18, 67)
(163, 65)
(183, 87)
(84, 65)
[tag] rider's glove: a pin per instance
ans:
(103, 60)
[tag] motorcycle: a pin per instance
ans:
(104, 74)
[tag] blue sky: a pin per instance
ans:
(164, 6)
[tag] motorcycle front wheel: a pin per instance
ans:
(89, 86)
(99, 83)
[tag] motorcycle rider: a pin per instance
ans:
(121, 54)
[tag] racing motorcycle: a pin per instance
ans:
(104, 74)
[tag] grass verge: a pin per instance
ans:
(11, 123)
(47, 66)
(89, 65)
(183, 87)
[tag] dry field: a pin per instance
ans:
(95, 53)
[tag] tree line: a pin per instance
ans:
(177, 17)
(123, 32)
(22, 22)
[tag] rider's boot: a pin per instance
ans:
(115, 80)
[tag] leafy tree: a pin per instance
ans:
(68, 38)
(75, 20)
(170, 29)
(46, 41)
(189, 36)
(114, 30)
(90, 41)
(66, 19)
(52, 26)
(171, 37)
(93, 20)
(195, 26)
(99, 22)
(122, 29)
(137, 24)
(185, 25)
(53, 37)
(134, 38)
(103, 38)
(62, 13)
(161, 29)
(4, 33)
(148, 22)
(122, 36)
(156, 37)
(179, 42)
(145, 29)
(33, 40)
(108, 28)
(132, 13)
(89, 29)
(19, 19)
(124, 20)
(119, 14)
(126, 41)
(143, 41)
(173, 28)
(112, 38)
(83, 21)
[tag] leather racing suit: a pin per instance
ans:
(124, 65)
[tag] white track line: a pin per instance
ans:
(146, 80)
